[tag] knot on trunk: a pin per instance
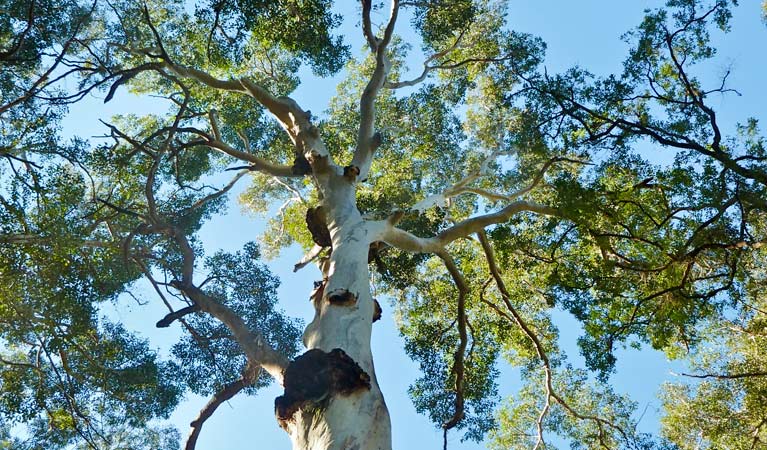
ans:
(351, 172)
(314, 377)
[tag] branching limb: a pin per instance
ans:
(404, 240)
(225, 394)
(257, 350)
(215, 195)
(21, 238)
(478, 223)
(310, 256)
(367, 27)
(427, 67)
(215, 142)
(463, 186)
(47, 78)
(387, 232)
(366, 140)
(520, 322)
(259, 164)
(295, 121)
(19, 40)
(604, 126)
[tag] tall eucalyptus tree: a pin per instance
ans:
(482, 191)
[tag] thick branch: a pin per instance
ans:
(257, 350)
(476, 224)
(175, 315)
(295, 121)
(367, 28)
(258, 164)
(404, 240)
(280, 107)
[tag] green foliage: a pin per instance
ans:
(300, 27)
(641, 249)
(92, 381)
(439, 21)
(602, 415)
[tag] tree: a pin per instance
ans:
(482, 191)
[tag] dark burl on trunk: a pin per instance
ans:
(314, 377)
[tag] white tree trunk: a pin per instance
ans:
(357, 420)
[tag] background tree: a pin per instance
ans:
(482, 191)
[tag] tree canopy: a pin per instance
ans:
(497, 193)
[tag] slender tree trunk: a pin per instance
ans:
(349, 413)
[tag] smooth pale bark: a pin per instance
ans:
(360, 420)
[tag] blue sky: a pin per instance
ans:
(586, 33)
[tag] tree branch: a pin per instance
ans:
(727, 376)
(367, 28)
(257, 350)
(258, 164)
(475, 224)
(295, 121)
(366, 143)
(175, 315)
(517, 318)
(384, 231)
(426, 67)
(458, 368)
(225, 394)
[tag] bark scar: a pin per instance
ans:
(316, 222)
(342, 297)
(314, 377)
